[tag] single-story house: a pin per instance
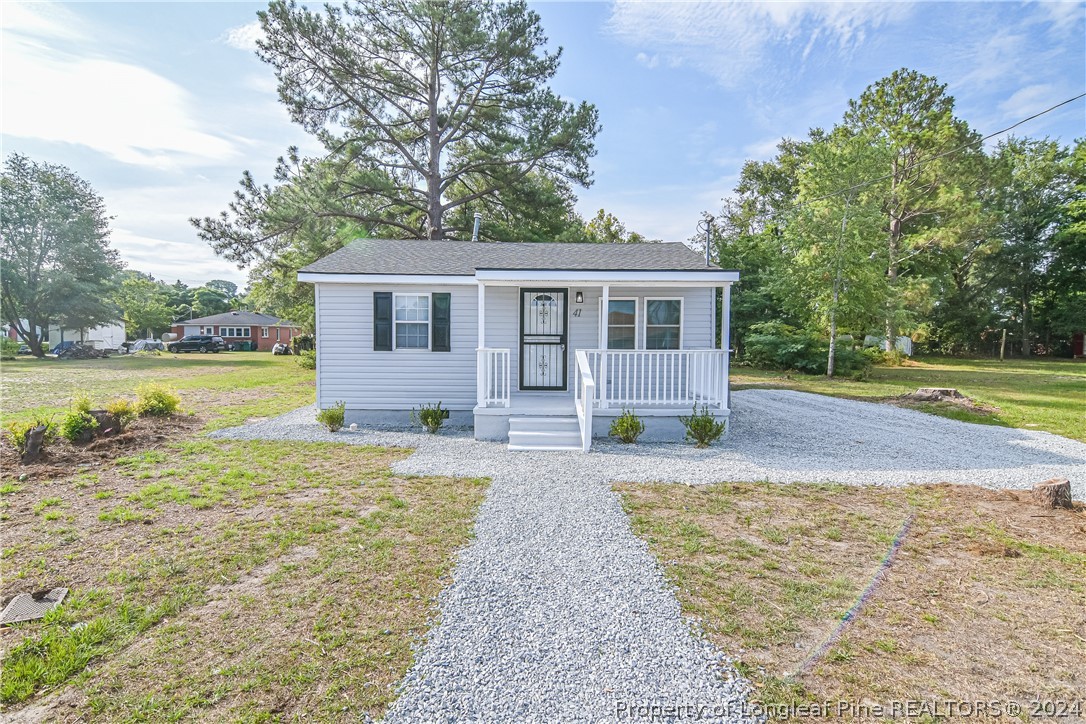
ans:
(262, 330)
(104, 336)
(539, 344)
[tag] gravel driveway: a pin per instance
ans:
(558, 612)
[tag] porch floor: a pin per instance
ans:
(534, 403)
(546, 404)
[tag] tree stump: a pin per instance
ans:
(35, 439)
(1054, 493)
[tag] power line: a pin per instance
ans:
(941, 155)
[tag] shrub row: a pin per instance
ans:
(775, 345)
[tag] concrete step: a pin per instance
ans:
(541, 424)
(544, 433)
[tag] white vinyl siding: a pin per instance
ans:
(349, 369)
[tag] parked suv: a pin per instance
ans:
(197, 343)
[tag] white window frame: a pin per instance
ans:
(248, 332)
(429, 322)
(263, 332)
(682, 320)
(605, 318)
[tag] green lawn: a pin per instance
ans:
(227, 388)
(1047, 395)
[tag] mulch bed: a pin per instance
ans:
(62, 458)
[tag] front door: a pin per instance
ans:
(543, 339)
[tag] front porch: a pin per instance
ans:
(654, 384)
(568, 346)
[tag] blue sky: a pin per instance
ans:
(162, 105)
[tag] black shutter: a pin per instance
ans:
(382, 321)
(440, 314)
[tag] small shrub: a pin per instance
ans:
(702, 428)
(123, 411)
(156, 401)
(627, 427)
(332, 418)
(306, 359)
(775, 345)
(20, 431)
(8, 348)
(431, 417)
(78, 425)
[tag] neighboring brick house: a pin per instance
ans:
(263, 330)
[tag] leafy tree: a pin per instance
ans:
(605, 228)
(423, 107)
(837, 274)
(1031, 202)
(144, 304)
(56, 264)
(208, 301)
(227, 289)
(930, 192)
(748, 236)
(1064, 308)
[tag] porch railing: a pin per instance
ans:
(662, 378)
(492, 383)
(584, 398)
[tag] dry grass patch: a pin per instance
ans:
(985, 600)
(257, 580)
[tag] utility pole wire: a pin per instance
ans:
(862, 184)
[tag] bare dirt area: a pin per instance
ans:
(983, 599)
(257, 580)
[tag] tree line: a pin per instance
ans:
(57, 265)
(899, 220)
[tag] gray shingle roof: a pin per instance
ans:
(249, 319)
(464, 258)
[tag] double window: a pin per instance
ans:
(662, 327)
(264, 332)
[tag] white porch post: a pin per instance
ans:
(604, 310)
(726, 338)
(480, 356)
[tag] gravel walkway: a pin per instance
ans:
(558, 612)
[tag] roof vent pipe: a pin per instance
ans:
(706, 225)
(475, 231)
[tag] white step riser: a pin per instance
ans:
(544, 433)
(544, 438)
(556, 425)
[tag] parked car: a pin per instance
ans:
(24, 349)
(197, 343)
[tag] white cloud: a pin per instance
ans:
(649, 61)
(730, 41)
(244, 37)
(58, 88)
(1030, 100)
